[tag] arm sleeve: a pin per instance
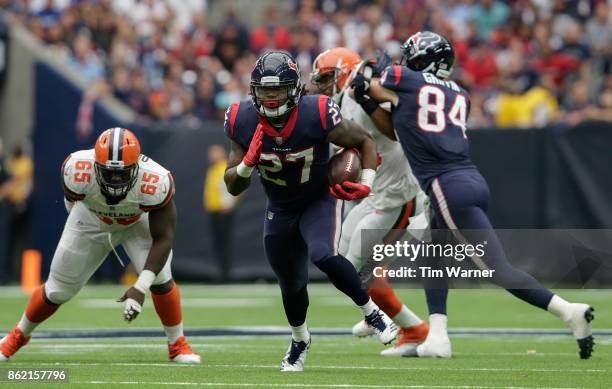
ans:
(229, 124)
(73, 190)
(329, 113)
(391, 77)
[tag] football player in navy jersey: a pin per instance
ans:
(428, 117)
(286, 136)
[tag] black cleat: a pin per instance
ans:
(586, 347)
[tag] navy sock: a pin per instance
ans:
(539, 297)
(296, 306)
(343, 275)
(436, 300)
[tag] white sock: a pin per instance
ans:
(438, 325)
(405, 318)
(174, 332)
(368, 307)
(559, 307)
(26, 326)
(300, 333)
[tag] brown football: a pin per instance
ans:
(344, 166)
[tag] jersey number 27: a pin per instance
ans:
(273, 163)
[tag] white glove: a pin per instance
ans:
(132, 309)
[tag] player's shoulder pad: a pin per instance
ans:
(240, 122)
(399, 78)
(328, 111)
(78, 174)
(155, 185)
(231, 114)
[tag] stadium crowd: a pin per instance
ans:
(525, 62)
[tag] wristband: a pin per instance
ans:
(367, 177)
(243, 170)
(144, 281)
(368, 105)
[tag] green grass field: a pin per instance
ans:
(548, 360)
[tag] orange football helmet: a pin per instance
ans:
(116, 167)
(334, 68)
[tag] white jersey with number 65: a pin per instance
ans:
(153, 189)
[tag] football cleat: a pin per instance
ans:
(435, 347)
(181, 352)
(296, 356)
(409, 339)
(362, 329)
(579, 321)
(383, 326)
(11, 343)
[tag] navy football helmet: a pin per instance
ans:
(275, 84)
(428, 52)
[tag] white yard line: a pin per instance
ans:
(327, 367)
(287, 385)
(231, 348)
(213, 302)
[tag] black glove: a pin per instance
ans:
(360, 85)
(378, 65)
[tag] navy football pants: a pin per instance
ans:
(295, 237)
(460, 199)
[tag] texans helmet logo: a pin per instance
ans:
(292, 65)
(279, 140)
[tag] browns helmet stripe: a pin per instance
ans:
(120, 151)
(114, 144)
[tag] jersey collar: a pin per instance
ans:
(287, 129)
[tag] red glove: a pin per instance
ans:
(350, 191)
(252, 156)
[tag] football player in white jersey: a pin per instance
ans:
(397, 202)
(114, 196)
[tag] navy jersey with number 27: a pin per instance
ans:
(430, 122)
(293, 162)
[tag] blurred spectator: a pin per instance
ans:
(49, 15)
(232, 42)
(84, 60)
(21, 167)
(487, 15)
(534, 108)
(206, 90)
(6, 184)
(271, 35)
(501, 46)
(219, 204)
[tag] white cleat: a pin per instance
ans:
(383, 326)
(181, 352)
(435, 347)
(362, 329)
(404, 350)
(187, 358)
(407, 341)
(296, 356)
(2, 357)
(579, 321)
